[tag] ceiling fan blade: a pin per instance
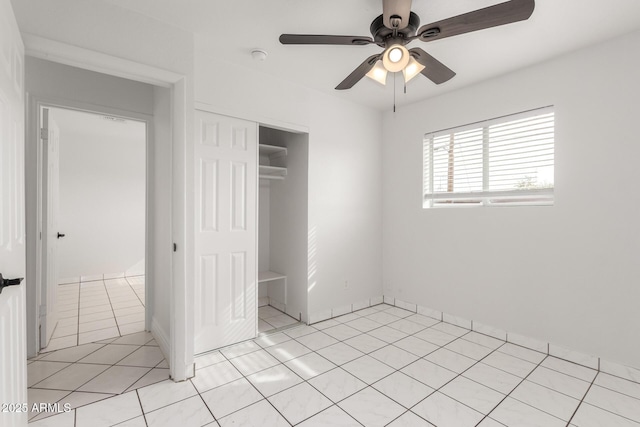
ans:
(492, 16)
(322, 39)
(396, 8)
(359, 73)
(434, 70)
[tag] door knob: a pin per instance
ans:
(8, 282)
(60, 235)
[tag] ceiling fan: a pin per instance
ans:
(398, 26)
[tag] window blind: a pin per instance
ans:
(509, 160)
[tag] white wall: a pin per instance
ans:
(344, 171)
(565, 274)
(345, 219)
(50, 80)
(264, 198)
(159, 216)
(102, 195)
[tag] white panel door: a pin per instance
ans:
(50, 137)
(13, 343)
(225, 231)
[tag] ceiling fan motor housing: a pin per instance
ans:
(381, 33)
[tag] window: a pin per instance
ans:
(501, 162)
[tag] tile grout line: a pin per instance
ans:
(112, 310)
(360, 333)
(203, 401)
(261, 394)
(436, 390)
(275, 328)
(582, 400)
(79, 299)
(365, 333)
(31, 417)
(97, 364)
(54, 361)
(604, 409)
(135, 293)
(552, 389)
(310, 352)
(312, 386)
(518, 385)
(102, 392)
(399, 370)
(144, 417)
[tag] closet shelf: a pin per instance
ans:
(272, 172)
(271, 149)
(268, 276)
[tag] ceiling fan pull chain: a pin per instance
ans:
(394, 92)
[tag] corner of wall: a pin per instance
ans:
(162, 338)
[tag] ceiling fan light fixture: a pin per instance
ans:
(395, 55)
(378, 73)
(412, 69)
(395, 58)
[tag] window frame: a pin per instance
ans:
(485, 197)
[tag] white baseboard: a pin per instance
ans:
(361, 304)
(330, 313)
(589, 361)
(376, 300)
(457, 320)
(582, 359)
(97, 277)
(319, 316)
(407, 306)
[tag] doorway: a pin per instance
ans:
(94, 221)
(283, 262)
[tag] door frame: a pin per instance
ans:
(181, 363)
(37, 104)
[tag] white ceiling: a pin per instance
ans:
(237, 26)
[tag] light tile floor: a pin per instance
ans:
(270, 319)
(94, 310)
(93, 372)
(380, 366)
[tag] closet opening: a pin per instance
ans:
(282, 229)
